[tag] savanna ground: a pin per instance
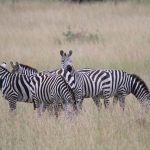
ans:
(101, 35)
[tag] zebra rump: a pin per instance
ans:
(15, 87)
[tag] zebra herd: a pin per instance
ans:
(66, 88)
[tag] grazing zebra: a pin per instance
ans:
(51, 89)
(122, 83)
(93, 84)
(15, 87)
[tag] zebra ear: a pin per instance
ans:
(17, 64)
(70, 53)
(61, 52)
(12, 64)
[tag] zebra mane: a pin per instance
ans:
(140, 80)
(28, 67)
(3, 73)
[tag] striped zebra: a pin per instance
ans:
(52, 90)
(98, 86)
(15, 87)
(30, 71)
(122, 83)
(49, 77)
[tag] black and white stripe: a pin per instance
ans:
(122, 84)
(27, 70)
(88, 83)
(15, 87)
(23, 69)
(51, 89)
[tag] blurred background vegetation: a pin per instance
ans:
(75, 1)
(101, 35)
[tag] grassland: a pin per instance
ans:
(101, 36)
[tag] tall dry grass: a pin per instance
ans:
(33, 33)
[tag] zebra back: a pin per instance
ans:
(24, 69)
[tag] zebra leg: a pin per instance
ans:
(79, 104)
(12, 108)
(97, 101)
(115, 100)
(37, 105)
(44, 106)
(12, 104)
(122, 102)
(50, 109)
(56, 110)
(106, 103)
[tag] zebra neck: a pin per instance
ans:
(138, 87)
(4, 74)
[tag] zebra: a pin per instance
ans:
(24, 69)
(85, 86)
(15, 87)
(122, 83)
(51, 89)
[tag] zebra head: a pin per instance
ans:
(15, 67)
(65, 59)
